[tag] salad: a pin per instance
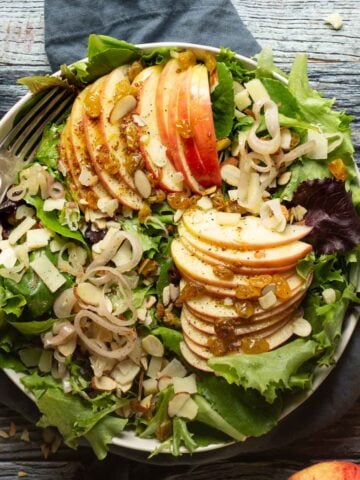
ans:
(179, 257)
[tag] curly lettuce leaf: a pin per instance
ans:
(170, 338)
(34, 327)
(331, 213)
(104, 54)
(51, 221)
(269, 373)
(223, 104)
(11, 303)
(74, 416)
(245, 411)
(148, 243)
(47, 153)
(39, 83)
(237, 70)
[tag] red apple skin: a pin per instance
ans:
(175, 145)
(163, 95)
(336, 470)
(195, 163)
(202, 122)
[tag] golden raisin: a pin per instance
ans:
(210, 61)
(132, 162)
(186, 59)
(244, 309)
(285, 212)
(338, 169)
(234, 207)
(224, 328)
(92, 103)
(122, 89)
(164, 430)
(144, 212)
(218, 200)
(190, 291)
(171, 319)
(148, 267)
(221, 271)
(183, 128)
(295, 140)
(134, 70)
(260, 281)
(160, 310)
(179, 200)
(245, 292)
(283, 290)
(216, 346)
(131, 136)
(222, 144)
(254, 345)
(158, 197)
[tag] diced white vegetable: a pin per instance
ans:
(268, 300)
(185, 384)
(154, 367)
(173, 369)
(51, 204)
(24, 211)
(56, 244)
(37, 238)
(242, 100)
(188, 410)
(125, 372)
(285, 139)
(335, 20)
(153, 346)
(237, 87)
(48, 273)
(284, 178)
(150, 386)
(176, 403)
(123, 255)
(108, 205)
(164, 382)
(257, 90)
(8, 257)
(21, 229)
(230, 174)
(320, 151)
(86, 178)
(329, 295)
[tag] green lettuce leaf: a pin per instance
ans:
(51, 221)
(171, 338)
(223, 104)
(47, 153)
(157, 56)
(161, 415)
(132, 225)
(104, 54)
(33, 327)
(103, 432)
(181, 435)
(11, 303)
(237, 70)
(39, 83)
(281, 95)
(269, 372)
(246, 411)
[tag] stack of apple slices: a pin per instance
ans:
(245, 282)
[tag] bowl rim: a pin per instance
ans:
(127, 438)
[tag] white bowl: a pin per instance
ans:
(129, 440)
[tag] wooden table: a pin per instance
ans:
(289, 26)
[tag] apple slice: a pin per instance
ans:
(193, 359)
(151, 146)
(100, 159)
(248, 233)
(111, 131)
(270, 257)
(209, 308)
(239, 269)
(164, 92)
(67, 158)
(335, 470)
(80, 158)
(200, 170)
(202, 122)
(175, 144)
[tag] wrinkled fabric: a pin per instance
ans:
(68, 24)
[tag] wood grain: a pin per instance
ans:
(289, 26)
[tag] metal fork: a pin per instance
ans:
(19, 146)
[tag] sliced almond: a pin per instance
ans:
(124, 106)
(153, 346)
(89, 293)
(150, 301)
(178, 214)
(105, 384)
(139, 120)
(185, 384)
(166, 296)
(150, 386)
(205, 203)
(142, 184)
(136, 353)
(268, 300)
(176, 403)
(301, 327)
(174, 292)
(230, 174)
(284, 178)
(188, 410)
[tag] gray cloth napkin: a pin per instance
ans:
(68, 24)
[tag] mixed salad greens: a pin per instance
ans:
(99, 310)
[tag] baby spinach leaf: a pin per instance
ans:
(223, 104)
